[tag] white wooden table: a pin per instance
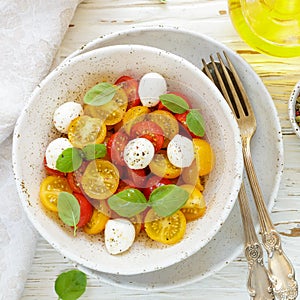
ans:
(95, 18)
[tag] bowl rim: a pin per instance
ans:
(233, 124)
(291, 108)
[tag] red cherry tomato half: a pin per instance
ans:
(133, 178)
(86, 209)
(130, 86)
(149, 130)
(123, 185)
(73, 182)
(74, 178)
(115, 147)
(153, 183)
(52, 172)
(137, 177)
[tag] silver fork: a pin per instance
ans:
(258, 284)
(281, 271)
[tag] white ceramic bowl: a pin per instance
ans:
(292, 108)
(34, 130)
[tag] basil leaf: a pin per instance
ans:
(69, 160)
(167, 199)
(93, 151)
(68, 209)
(100, 94)
(195, 122)
(128, 203)
(174, 103)
(70, 285)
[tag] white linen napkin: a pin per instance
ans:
(30, 33)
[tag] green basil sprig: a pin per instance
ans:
(178, 105)
(93, 151)
(68, 209)
(71, 158)
(195, 122)
(128, 202)
(174, 103)
(100, 94)
(70, 285)
(165, 200)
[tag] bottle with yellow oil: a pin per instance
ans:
(269, 26)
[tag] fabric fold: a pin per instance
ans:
(30, 34)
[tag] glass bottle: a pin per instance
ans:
(269, 26)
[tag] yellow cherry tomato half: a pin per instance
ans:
(161, 166)
(167, 230)
(100, 179)
(50, 188)
(190, 175)
(113, 111)
(195, 206)
(97, 222)
(85, 130)
(204, 156)
(167, 122)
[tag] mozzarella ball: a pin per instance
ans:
(151, 86)
(180, 151)
(119, 235)
(54, 149)
(138, 153)
(64, 114)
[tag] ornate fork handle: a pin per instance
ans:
(259, 285)
(281, 271)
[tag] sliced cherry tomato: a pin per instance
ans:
(115, 147)
(50, 188)
(204, 156)
(153, 183)
(97, 222)
(161, 166)
(73, 183)
(131, 87)
(185, 129)
(113, 111)
(190, 175)
(160, 106)
(123, 185)
(131, 178)
(86, 209)
(100, 179)
(167, 122)
(85, 130)
(195, 206)
(52, 172)
(166, 230)
(74, 178)
(149, 130)
(134, 115)
(137, 177)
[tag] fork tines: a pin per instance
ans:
(229, 83)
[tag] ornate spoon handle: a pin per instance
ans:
(281, 271)
(259, 285)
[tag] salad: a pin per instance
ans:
(131, 157)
